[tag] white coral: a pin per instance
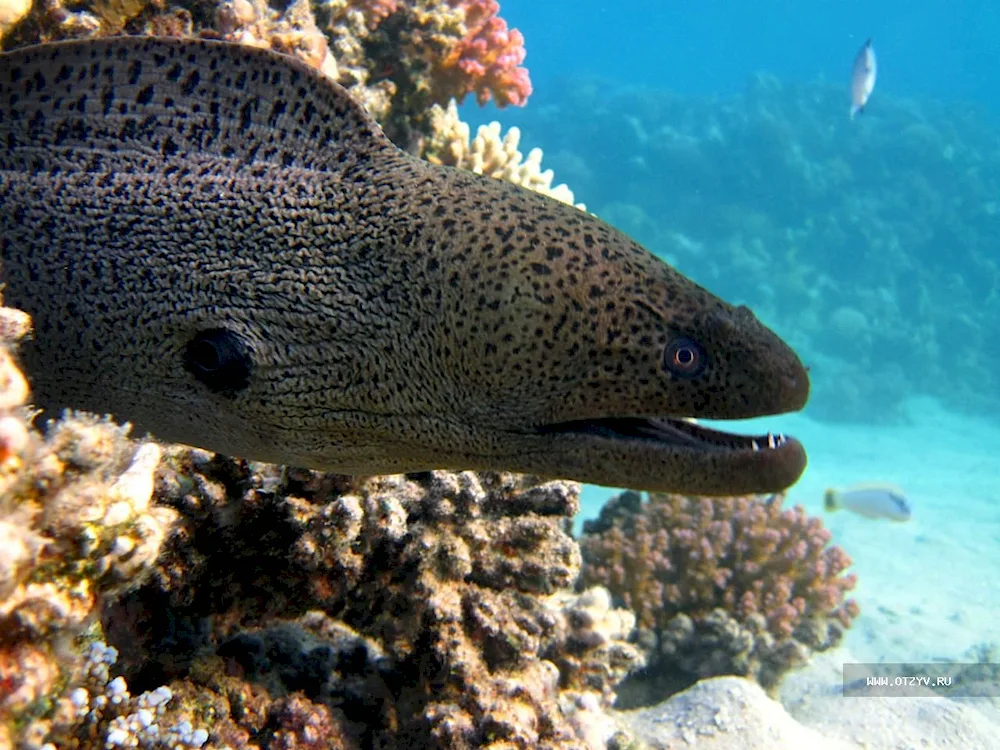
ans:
(490, 153)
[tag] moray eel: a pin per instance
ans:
(220, 246)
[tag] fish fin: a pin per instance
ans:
(73, 101)
(830, 501)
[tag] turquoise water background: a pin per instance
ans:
(717, 134)
(927, 49)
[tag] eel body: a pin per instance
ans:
(217, 244)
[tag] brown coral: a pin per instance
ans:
(456, 587)
(724, 586)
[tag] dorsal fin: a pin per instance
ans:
(163, 97)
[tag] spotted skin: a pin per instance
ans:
(390, 315)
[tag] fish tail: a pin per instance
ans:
(830, 501)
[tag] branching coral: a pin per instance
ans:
(724, 586)
(489, 154)
(486, 61)
(100, 709)
(210, 710)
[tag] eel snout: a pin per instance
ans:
(690, 356)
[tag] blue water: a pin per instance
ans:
(933, 49)
(717, 135)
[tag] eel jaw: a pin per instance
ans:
(679, 432)
(676, 455)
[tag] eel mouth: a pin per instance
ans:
(679, 433)
(664, 454)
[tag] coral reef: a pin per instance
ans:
(489, 154)
(719, 586)
(398, 57)
(437, 607)
(100, 710)
(872, 248)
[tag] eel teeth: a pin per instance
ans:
(773, 441)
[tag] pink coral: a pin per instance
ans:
(487, 59)
(744, 585)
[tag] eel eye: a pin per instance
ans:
(220, 359)
(684, 357)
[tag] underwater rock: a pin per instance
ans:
(720, 586)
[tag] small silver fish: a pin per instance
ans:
(870, 501)
(862, 78)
